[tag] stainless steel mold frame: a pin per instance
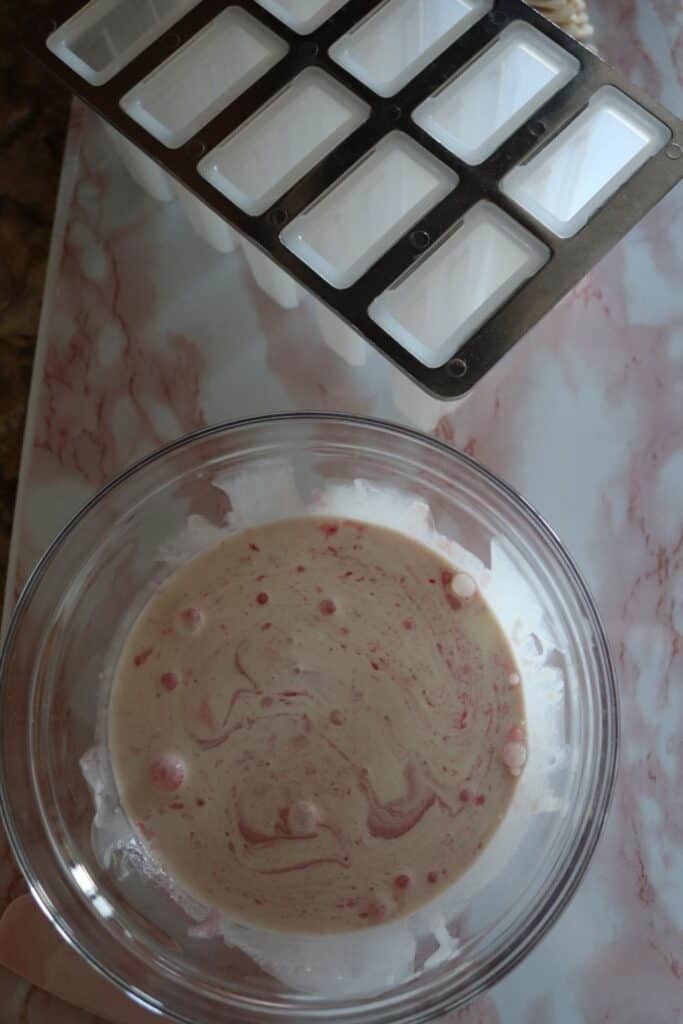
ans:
(503, 222)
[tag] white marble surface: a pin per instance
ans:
(148, 333)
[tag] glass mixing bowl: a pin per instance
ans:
(86, 868)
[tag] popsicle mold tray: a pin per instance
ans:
(438, 172)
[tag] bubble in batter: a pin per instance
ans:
(167, 774)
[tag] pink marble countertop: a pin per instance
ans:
(148, 333)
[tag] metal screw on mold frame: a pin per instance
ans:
(278, 217)
(457, 368)
(420, 239)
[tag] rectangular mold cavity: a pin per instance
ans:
(500, 90)
(303, 16)
(105, 35)
(285, 139)
(571, 178)
(182, 95)
(359, 218)
(397, 41)
(433, 309)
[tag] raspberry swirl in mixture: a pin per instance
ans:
(317, 725)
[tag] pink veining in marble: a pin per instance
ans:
(147, 333)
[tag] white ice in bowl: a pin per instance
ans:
(366, 961)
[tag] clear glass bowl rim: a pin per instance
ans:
(376, 1008)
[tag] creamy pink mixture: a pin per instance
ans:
(317, 725)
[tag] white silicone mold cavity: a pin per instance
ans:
(105, 35)
(497, 93)
(347, 343)
(303, 16)
(205, 222)
(575, 174)
(397, 41)
(415, 406)
(277, 284)
(141, 168)
(283, 141)
(182, 95)
(354, 223)
(432, 310)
